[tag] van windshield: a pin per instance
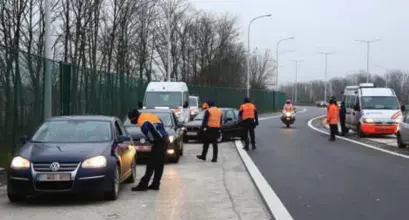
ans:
(163, 99)
(193, 102)
(379, 102)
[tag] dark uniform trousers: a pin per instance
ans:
(344, 129)
(156, 162)
(210, 137)
(248, 126)
(334, 130)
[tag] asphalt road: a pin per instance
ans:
(318, 179)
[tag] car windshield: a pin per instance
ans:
(379, 102)
(193, 102)
(73, 131)
(165, 117)
(163, 99)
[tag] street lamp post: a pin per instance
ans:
(296, 78)
(47, 110)
(326, 73)
(278, 43)
(368, 46)
(248, 51)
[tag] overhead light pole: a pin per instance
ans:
(326, 73)
(277, 53)
(296, 79)
(47, 109)
(368, 47)
(248, 51)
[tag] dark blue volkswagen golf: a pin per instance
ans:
(73, 154)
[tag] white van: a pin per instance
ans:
(169, 95)
(371, 110)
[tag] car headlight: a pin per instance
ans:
(368, 120)
(171, 139)
(95, 162)
(20, 163)
(398, 120)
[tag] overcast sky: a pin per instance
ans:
(324, 25)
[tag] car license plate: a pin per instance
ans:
(191, 133)
(54, 177)
(143, 148)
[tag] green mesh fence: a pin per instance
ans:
(230, 97)
(79, 90)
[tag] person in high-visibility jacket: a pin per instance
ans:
(211, 126)
(205, 105)
(154, 130)
(249, 120)
(333, 118)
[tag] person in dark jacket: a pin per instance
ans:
(342, 118)
(140, 105)
(154, 130)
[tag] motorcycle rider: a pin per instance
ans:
(288, 106)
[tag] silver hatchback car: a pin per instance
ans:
(403, 131)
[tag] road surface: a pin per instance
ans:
(317, 179)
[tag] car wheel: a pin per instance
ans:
(15, 198)
(288, 125)
(113, 192)
(400, 142)
(132, 177)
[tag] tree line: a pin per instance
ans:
(312, 91)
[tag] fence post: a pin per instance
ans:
(65, 88)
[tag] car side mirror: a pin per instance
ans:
(124, 138)
(357, 108)
(24, 139)
(403, 108)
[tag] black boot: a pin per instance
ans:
(140, 187)
(153, 187)
(254, 146)
(200, 157)
(214, 160)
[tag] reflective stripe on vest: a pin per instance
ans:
(214, 117)
(248, 111)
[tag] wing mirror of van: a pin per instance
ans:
(357, 108)
(403, 108)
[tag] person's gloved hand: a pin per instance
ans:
(256, 123)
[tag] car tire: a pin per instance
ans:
(132, 177)
(113, 193)
(400, 142)
(15, 198)
(288, 125)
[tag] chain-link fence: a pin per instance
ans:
(80, 90)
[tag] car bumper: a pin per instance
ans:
(379, 129)
(24, 182)
(143, 153)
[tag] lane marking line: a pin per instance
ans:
(353, 141)
(279, 115)
(274, 204)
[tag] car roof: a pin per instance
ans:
(156, 110)
(83, 117)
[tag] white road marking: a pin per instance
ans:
(387, 139)
(279, 115)
(274, 203)
(353, 141)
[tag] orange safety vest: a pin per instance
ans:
(144, 117)
(205, 105)
(215, 115)
(248, 111)
(333, 114)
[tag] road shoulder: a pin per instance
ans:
(318, 125)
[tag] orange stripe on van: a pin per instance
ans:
(396, 115)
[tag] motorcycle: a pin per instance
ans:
(288, 118)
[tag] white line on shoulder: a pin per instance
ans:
(274, 204)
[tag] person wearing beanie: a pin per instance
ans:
(211, 126)
(249, 120)
(154, 131)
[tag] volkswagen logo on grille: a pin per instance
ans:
(142, 140)
(54, 166)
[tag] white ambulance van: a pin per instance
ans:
(371, 110)
(168, 95)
